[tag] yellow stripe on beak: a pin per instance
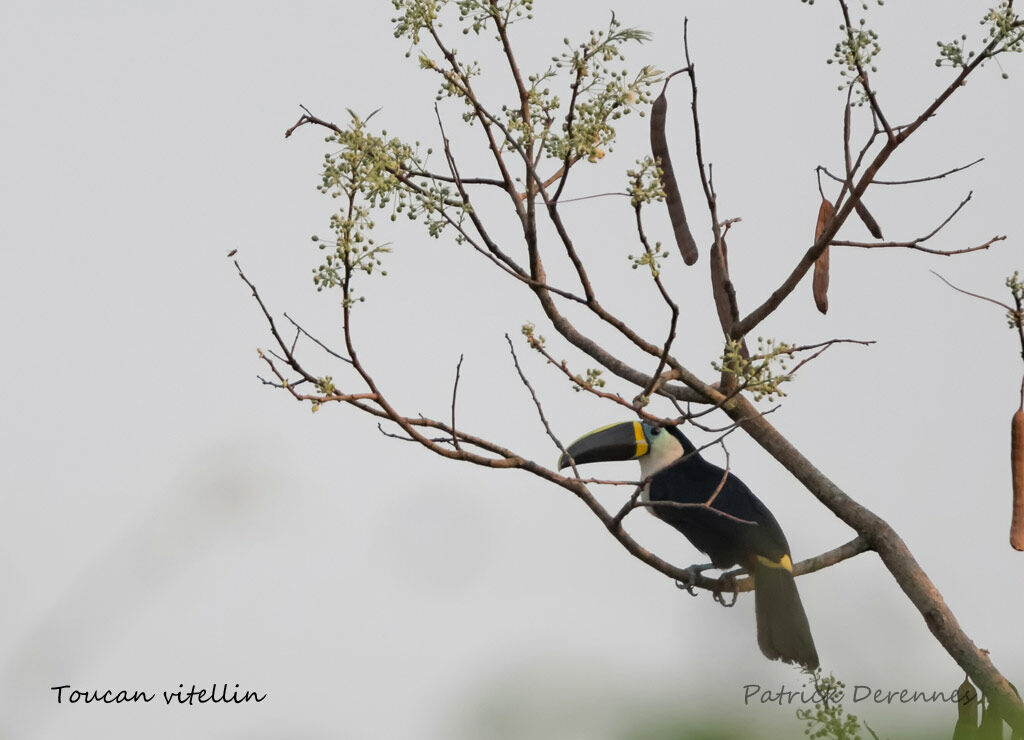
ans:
(785, 563)
(641, 440)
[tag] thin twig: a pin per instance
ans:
(308, 117)
(673, 308)
(912, 181)
(455, 392)
(725, 477)
(540, 409)
(862, 74)
(733, 425)
(918, 247)
(627, 507)
(707, 505)
(273, 327)
(973, 295)
(577, 199)
(315, 398)
(709, 191)
(916, 243)
(684, 505)
(1019, 322)
(316, 341)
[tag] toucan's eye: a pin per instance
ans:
(655, 431)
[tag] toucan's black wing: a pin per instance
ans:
(739, 528)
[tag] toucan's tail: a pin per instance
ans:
(782, 629)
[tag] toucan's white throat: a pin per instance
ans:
(663, 450)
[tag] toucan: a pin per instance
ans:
(734, 528)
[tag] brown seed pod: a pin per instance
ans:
(719, 277)
(825, 211)
(868, 219)
(674, 201)
(719, 271)
(1017, 470)
(819, 284)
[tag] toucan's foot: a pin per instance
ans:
(692, 574)
(726, 581)
(696, 570)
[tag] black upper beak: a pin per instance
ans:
(624, 441)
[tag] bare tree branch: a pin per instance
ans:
(720, 269)
(854, 547)
(536, 403)
(897, 558)
(899, 136)
(455, 393)
(973, 295)
(672, 305)
(912, 181)
(916, 243)
(862, 75)
(316, 341)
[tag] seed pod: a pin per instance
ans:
(719, 277)
(991, 727)
(819, 284)
(719, 274)
(674, 201)
(868, 219)
(967, 712)
(1017, 734)
(1017, 470)
(862, 210)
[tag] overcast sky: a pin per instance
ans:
(168, 520)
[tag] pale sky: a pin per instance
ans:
(171, 521)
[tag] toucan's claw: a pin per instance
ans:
(687, 587)
(692, 574)
(726, 580)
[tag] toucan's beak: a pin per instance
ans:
(624, 441)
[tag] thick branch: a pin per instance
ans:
(896, 557)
